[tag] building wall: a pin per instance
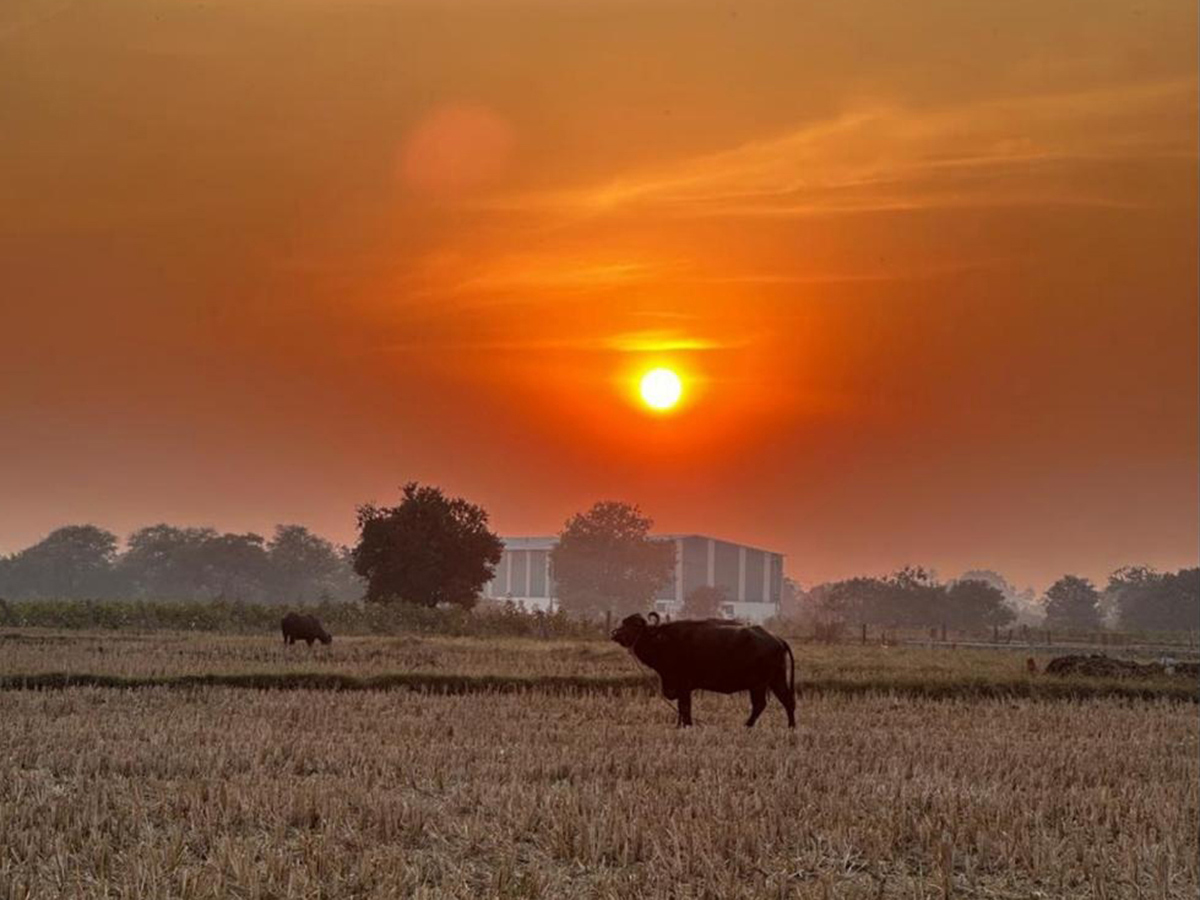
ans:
(752, 579)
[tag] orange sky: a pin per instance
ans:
(930, 270)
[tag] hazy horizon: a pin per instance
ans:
(929, 274)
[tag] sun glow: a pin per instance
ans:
(661, 389)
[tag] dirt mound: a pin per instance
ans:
(1100, 666)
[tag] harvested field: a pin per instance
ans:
(40, 658)
(219, 793)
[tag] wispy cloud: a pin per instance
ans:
(566, 275)
(560, 273)
(630, 342)
(660, 341)
(999, 152)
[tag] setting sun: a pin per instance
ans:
(661, 389)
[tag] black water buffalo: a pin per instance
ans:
(299, 627)
(713, 655)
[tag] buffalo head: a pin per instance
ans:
(633, 627)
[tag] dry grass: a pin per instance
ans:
(222, 793)
(446, 663)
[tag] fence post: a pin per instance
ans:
(608, 621)
(864, 632)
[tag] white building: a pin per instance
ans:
(751, 577)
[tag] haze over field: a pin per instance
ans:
(928, 275)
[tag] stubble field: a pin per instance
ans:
(225, 792)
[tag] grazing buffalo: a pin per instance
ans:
(299, 627)
(713, 655)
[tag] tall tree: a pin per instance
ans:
(235, 566)
(305, 568)
(166, 562)
(605, 560)
(913, 597)
(1146, 600)
(1073, 602)
(976, 604)
(430, 549)
(73, 561)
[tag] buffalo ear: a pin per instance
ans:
(652, 618)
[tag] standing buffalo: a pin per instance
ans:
(713, 655)
(299, 627)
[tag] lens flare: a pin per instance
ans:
(661, 389)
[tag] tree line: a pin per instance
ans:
(433, 550)
(1136, 598)
(165, 562)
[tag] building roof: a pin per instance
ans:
(547, 542)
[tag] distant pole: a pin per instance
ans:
(864, 632)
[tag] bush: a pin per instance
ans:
(507, 620)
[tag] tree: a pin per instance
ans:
(304, 568)
(1145, 600)
(793, 599)
(913, 597)
(235, 566)
(605, 560)
(975, 604)
(165, 562)
(73, 561)
(1073, 602)
(431, 549)
(704, 602)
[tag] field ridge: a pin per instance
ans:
(453, 684)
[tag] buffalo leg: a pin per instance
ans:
(685, 709)
(758, 702)
(779, 687)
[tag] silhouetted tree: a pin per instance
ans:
(166, 563)
(793, 599)
(912, 597)
(430, 549)
(73, 561)
(236, 566)
(854, 600)
(1145, 600)
(605, 559)
(976, 604)
(305, 568)
(1073, 602)
(704, 602)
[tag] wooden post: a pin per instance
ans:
(608, 621)
(864, 632)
